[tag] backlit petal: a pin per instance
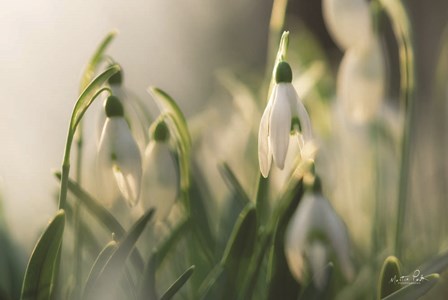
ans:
(128, 164)
(338, 236)
(264, 151)
(296, 235)
(280, 125)
(299, 110)
(160, 179)
(317, 257)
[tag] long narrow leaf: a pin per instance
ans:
(40, 273)
(436, 265)
(85, 99)
(233, 183)
(99, 263)
(103, 216)
(147, 283)
(95, 60)
(389, 271)
(103, 286)
(178, 284)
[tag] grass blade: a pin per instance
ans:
(390, 270)
(40, 273)
(239, 250)
(178, 284)
(280, 279)
(147, 284)
(99, 263)
(101, 213)
(436, 265)
(103, 216)
(102, 288)
(95, 60)
(85, 99)
(233, 183)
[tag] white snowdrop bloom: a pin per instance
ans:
(118, 152)
(314, 234)
(160, 175)
(284, 113)
(348, 21)
(361, 81)
(135, 113)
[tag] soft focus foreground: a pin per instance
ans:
(293, 183)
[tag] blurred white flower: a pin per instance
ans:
(160, 175)
(348, 21)
(314, 233)
(118, 152)
(284, 112)
(136, 114)
(361, 81)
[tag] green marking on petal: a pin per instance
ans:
(161, 132)
(283, 72)
(116, 79)
(113, 107)
(296, 125)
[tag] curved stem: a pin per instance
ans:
(66, 160)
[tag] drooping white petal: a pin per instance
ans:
(160, 179)
(264, 151)
(296, 236)
(298, 110)
(317, 257)
(280, 124)
(108, 191)
(119, 149)
(338, 236)
(361, 81)
(348, 21)
(135, 114)
(315, 215)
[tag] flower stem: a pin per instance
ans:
(403, 35)
(78, 238)
(275, 27)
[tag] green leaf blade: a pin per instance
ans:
(95, 60)
(114, 267)
(233, 183)
(99, 263)
(42, 266)
(178, 284)
(102, 215)
(87, 96)
(389, 271)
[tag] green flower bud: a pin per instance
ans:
(283, 72)
(161, 132)
(116, 79)
(113, 107)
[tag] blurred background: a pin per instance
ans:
(178, 46)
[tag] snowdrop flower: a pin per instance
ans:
(136, 115)
(118, 152)
(315, 233)
(348, 21)
(361, 81)
(160, 176)
(284, 113)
